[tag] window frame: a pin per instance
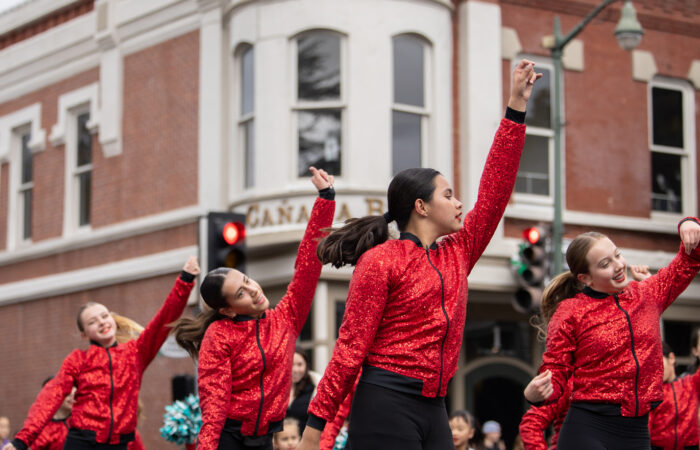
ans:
(340, 104)
(426, 111)
(537, 199)
(687, 153)
(22, 187)
(244, 120)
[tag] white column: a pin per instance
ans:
(111, 78)
(320, 331)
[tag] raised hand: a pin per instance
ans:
(640, 272)
(540, 388)
(9, 447)
(191, 266)
(524, 78)
(690, 235)
(320, 178)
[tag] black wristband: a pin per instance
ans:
(19, 445)
(327, 193)
(515, 115)
(186, 277)
(315, 422)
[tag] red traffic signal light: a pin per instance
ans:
(233, 232)
(532, 235)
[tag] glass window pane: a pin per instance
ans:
(27, 160)
(318, 66)
(84, 180)
(319, 141)
(533, 174)
(667, 194)
(667, 113)
(409, 70)
(247, 82)
(84, 141)
(27, 214)
(539, 111)
(249, 139)
(339, 313)
(406, 145)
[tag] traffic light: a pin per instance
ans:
(226, 241)
(530, 269)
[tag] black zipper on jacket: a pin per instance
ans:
(447, 319)
(262, 389)
(111, 397)
(675, 422)
(634, 355)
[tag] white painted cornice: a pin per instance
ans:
(29, 12)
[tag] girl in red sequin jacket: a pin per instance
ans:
(406, 304)
(244, 349)
(606, 336)
(673, 425)
(107, 375)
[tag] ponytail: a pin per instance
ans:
(345, 245)
(563, 286)
(189, 332)
(127, 329)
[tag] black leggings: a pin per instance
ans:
(235, 441)
(586, 430)
(79, 444)
(384, 419)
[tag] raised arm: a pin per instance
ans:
(48, 401)
(498, 177)
(296, 303)
(672, 280)
(155, 333)
(214, 382)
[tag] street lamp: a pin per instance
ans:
(629, 34)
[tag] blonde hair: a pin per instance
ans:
(566, 284)
(127, 329)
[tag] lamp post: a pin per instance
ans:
(628, 33)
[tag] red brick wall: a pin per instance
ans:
(158, 168)
(607, 160)
(37, 335)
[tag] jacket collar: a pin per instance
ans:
(99, 345)
(245, 318)
(405, 235)
(595, 294)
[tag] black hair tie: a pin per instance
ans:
(388, 217)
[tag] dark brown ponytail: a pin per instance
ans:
(345, 245)
(189, 332)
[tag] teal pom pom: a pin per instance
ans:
(182, 421)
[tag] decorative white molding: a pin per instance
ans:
(112, 101)
(510, 43)
(84, 95)
(105, 25)
(572, 57)
(643, 65)
(122, 230)
(30, 115)
(95, 277)
(694, 73)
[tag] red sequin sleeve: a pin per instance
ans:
(152, 337)
(331, 430)
(538, 418)
(296, 303)
(495, 188)
(214, 381)
(670, 281)
(50, 398)
(559, 354)
(367, 295)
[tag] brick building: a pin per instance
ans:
(123, 122)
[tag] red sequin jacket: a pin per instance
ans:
(611, 344)
(245, 364)
(538, 418)
(107, 380)
(406, 305)
(53, 436)
(674, 423)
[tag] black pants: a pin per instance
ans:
(586, 430)
(236, 441)
(384, 419)
(79, 444)
(687, 447)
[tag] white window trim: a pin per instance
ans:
(64, 132)
(688, 157)
(240, 163)
(24, 120)
(340, 104)
(534, 199)
(426, 111)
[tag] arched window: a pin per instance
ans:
(319, 102)
(410, 102)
